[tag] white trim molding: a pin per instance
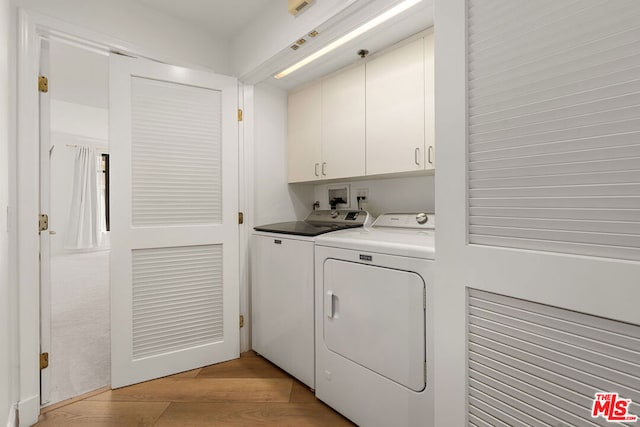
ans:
(12, 420)
(27, 169)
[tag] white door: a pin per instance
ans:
(174, 235)
(538, 201)
(45, 240)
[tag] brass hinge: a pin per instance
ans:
(239, 114)
(43, 84)
(43, 222)
(44, 361)
(240, 217)
(241, 320)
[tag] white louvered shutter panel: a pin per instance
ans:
(174, 235)
(554, 126)
(532, 364)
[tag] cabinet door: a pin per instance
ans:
(304, 133)
(343, 120)
(395, 115)
(429, 110)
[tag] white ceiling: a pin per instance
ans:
(222, 18)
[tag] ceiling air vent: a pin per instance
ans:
(297, 6)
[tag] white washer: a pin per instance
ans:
(374, 355)
(282, 288)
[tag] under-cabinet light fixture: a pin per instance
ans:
(396, 10)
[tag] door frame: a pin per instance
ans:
(31, 27)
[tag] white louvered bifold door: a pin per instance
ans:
(174, 236)
(554, 126)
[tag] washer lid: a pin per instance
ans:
(302, 228)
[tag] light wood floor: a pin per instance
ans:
(248, 391)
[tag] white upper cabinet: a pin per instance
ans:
(343, 124)
(395, 111)
(305, 134)
(371, 119)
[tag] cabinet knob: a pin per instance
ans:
(324, 168)
(416, 155)
(316, 169)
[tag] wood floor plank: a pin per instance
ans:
(249, 391)
(187, 374)
(300, 393)
(204, 390)
(245, 367)
(104, 414)
(250, 414)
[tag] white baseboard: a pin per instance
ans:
(12, 421)
(29, 411)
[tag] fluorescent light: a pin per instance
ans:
(399, 8)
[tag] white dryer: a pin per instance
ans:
(374, 352)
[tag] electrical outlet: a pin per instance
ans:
(362, 192)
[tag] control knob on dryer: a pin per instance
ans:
(334, 214)
(422, 218)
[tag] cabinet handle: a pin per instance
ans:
(316, 169)
(324, 168)
(416, 154)
(430, 159)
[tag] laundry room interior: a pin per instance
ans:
(319, 212)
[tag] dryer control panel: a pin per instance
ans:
(416, 220)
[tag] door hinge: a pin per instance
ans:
(44, 361)
(241, 321)
(239, 114)
(240, 217)
(43, 222)
(43, 84)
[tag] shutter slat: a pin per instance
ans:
(585, 214)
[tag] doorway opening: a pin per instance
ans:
(76, 297)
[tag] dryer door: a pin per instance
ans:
(375, 316)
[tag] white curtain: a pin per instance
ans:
(83, 228)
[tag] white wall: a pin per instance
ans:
(406, 194)
(274, 199)
(159, 34)
(7, 374)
